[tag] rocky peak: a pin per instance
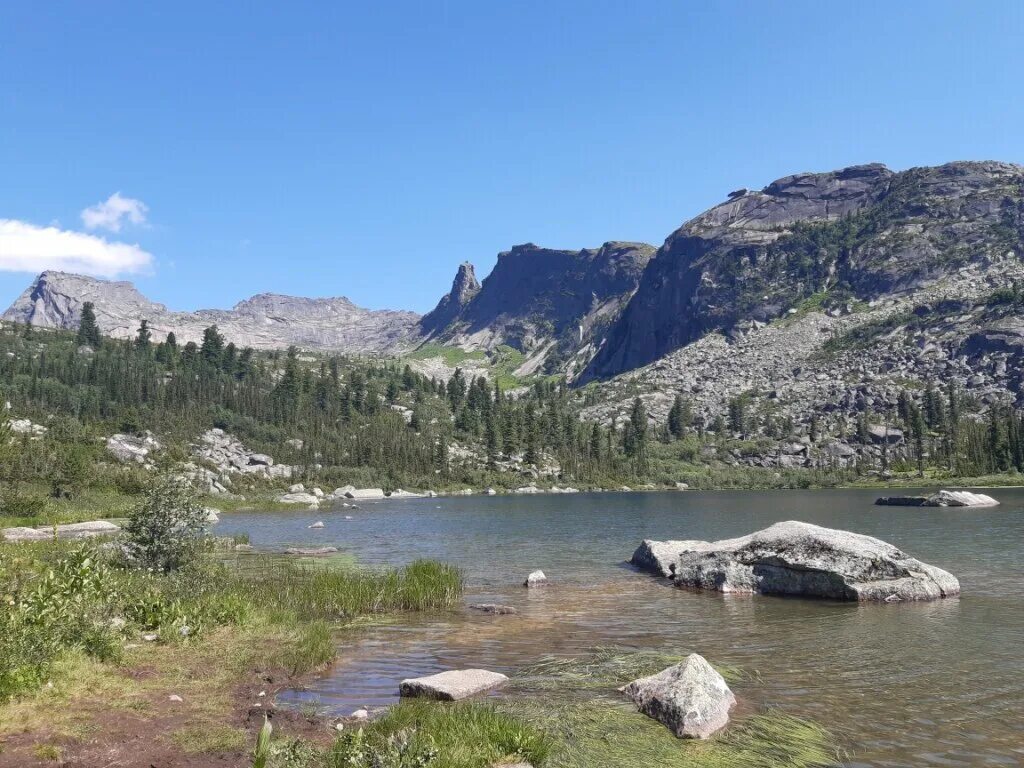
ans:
(539, 299)
(464, 287)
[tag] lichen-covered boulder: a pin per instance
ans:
(796, 558)
(691, 698)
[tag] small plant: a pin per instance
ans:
(261, 755)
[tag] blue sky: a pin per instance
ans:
(365, 149)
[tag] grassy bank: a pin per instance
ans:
(565, 713)
(88, 644)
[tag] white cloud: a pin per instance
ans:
(27, 248)
(114, 212)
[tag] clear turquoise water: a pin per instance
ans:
(936, 684)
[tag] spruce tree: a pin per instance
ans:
(88, 329)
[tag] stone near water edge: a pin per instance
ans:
(310, 551)
(536, 579)
(796, 558)
(65, 531)
(299, 497)
(452, 685)
(365, 494)
(360, 714)
(398, 493)
(691, 698)
(494, 608)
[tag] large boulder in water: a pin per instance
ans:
(691, 698)
(940, 499)
(795, 558)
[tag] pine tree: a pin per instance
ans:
(143, 335)
(88, 329)
(212, 349)
(677, 422)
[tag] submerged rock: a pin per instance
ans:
(691, 698)
(453, 685)
(940, 499)
(310, 551)
(795, 558)
(495, 608)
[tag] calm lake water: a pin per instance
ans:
(934, 684)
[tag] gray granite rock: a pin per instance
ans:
(690, 698)
(796, 558)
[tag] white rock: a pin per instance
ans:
(317, 524)
(536, 579)
(363, 494)
(452, 685)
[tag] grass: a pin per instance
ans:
(460, 735)
(607, 733)
(604, 668)
(318, 593)
(451, 356)
(89, 504)
(209, 738)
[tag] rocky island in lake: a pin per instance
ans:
(795, 558)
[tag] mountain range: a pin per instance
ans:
(830, 252)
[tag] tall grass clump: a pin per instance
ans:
(461, 735)
(336, 594)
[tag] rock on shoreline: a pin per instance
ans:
(796, 558)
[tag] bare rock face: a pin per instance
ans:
(453, 685)
(796, 558)
(464, 288)
(132, 449)
(691, 698)
(545, 302)
(265, 321)
(863, 232)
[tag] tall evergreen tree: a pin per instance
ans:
(88, 329)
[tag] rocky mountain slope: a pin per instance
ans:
(861, 233)
(825, 297)
(549, 304)
(265, 321)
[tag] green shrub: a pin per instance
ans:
(166, 529)
(15, 503)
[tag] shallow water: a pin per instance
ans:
(934, 684)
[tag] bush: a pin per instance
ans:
(15, 503)
(167, 529)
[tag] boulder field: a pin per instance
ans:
(796, 558)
